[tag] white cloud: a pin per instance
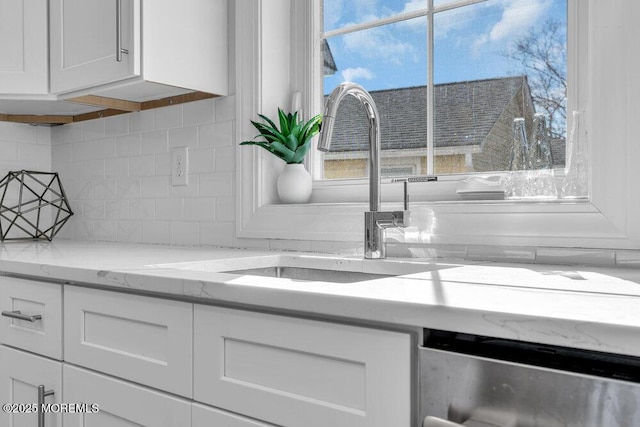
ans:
(413, 5)
(378, 43)
(354, 74)
(332, 13)
(518, 17)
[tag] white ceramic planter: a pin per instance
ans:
(294, 184)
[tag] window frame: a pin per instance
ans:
(336, 209)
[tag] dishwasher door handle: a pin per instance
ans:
(438, 422)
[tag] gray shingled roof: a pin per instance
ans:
(465, 113)
(328, 62)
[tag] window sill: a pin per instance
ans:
(557, 223)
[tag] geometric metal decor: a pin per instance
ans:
(32, 205)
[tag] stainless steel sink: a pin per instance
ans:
(307, 268)
(310, 274)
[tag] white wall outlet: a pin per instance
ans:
(180, 166)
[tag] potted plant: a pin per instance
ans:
(291, 142)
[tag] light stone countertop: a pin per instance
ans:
(583, 307)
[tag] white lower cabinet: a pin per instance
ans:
(206, 416)
(142, 339)
(297, 372)
(21, 374)
(152, 362)
(120, 403)
(31, 315)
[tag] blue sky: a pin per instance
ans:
(470, 42)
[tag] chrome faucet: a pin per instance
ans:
(375, 221)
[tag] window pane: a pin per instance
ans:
(390, 63)
(344, 13)
(496, 61)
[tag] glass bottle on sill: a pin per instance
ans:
(515, 186)
(575, 184)
(540, 180)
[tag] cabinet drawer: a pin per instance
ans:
(206, 416)
(297, 372)
(120, 403)
(43, 336)
(142, 339)
(21, 374)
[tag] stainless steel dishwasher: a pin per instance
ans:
(478, 381)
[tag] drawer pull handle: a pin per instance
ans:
(41, 395)
(17, 315)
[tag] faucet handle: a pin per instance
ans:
(405, 182)
(406, 195)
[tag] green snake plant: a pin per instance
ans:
(292, 141)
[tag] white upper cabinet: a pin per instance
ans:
(89, 41)
(23, 47)
(138, 49)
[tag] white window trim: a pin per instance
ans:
(608, 91)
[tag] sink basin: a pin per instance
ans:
(311, 274)
(320, 268)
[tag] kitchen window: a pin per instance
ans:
(448, 84)
(601, 82)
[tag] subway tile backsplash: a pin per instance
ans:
(116, 171)
(24, 147)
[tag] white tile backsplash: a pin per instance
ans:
(116, 125)
(199, 209)
(119, 171)
(142, 165)
(156, 232)
(202, 160)
(24, 147)
(194, 113)
(93, 129)
(155, 142)
(128, 145)
(9, 151)
(168, 117)
(116, 173)
(216, 184)
(142, 121)
(184, 137)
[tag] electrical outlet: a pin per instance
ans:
(180, 166)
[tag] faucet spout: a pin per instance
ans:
(375, 222)
(328, 119)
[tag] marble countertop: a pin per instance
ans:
(583, 307)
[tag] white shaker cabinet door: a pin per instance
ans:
(119, 403)
(93, 42)
(141, 339)
(40, 330)
(21, 374)
(296, 372)
(206, 416)
(23, 47)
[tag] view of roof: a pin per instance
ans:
(328, 62)
(465, 114)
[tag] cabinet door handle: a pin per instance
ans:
(41, 395)
(17, 315)
(119, 49)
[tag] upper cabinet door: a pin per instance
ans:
(23, 47)
(93, 42)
